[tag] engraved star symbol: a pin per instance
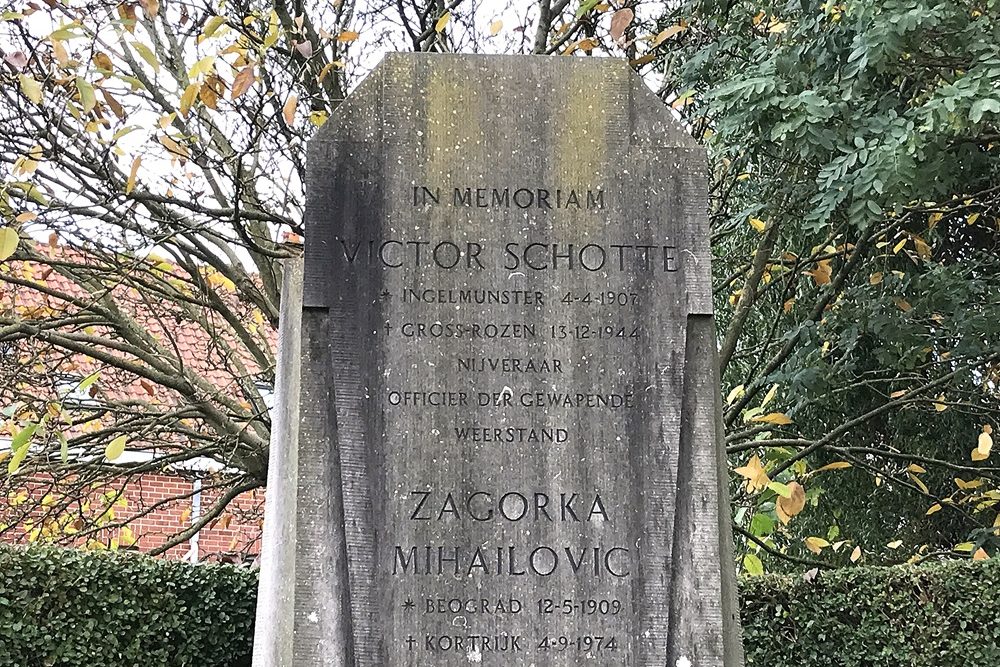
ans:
(408, 604)
(385, 294)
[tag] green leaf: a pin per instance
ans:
(66, 32)
(781, 489)
(19, 445)
(979, 107)
(87, 97)
(753, 565)
(761, 525)
(87, 382)
(586, 6)
(30, 191)
(31, 88)
(63, 448)
(23, 437)
(147, 54)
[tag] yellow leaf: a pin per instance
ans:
(967, 486)
(758, 224)
(27, 216)
(923, 249)
(933, 220)
(980, 554)
(31, 88)
(683, 100)
(317, 118)
(496, 27)
(816, 544)
(899, 246)
(793, 505)
(875, 278)
(856, 555)
(188, 98)
(115, 448)
(173, 147)
(971, 220)
(273, 23)
(914, 468)
(185, 515)
(978, 455)
(789, 305)
(752, 564)
(216, 279)
(666, 34)
(777, 28)
(779, 418)
(822, 273)
(737, 392)
(59, 52)
(754, 473)
(288, 111)
(919, 483)
(770, 395)
(212, 25)
(936, 507)
(8, 242)
(939, 404)
(347, 36)
(132, 174)
(903, 304)
(985, 444)
(837, 465)
(895, 544)
(897, 394)
(442, 22)
(965, 547)
(202, 68)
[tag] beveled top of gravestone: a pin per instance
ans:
(451, 108)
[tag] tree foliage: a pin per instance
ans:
(855, 207)
(155, 161)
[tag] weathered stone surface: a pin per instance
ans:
(508, 448)
(275, 598)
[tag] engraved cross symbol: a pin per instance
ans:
(410, 641)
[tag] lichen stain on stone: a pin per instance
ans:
(454, 127)
(580, 143)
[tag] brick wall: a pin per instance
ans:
(154, 506)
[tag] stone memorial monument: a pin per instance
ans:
(506, 438)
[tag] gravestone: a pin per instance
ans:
(509, 448)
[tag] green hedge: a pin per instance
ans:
(942, 615)
(66, 608)
(97, 609)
